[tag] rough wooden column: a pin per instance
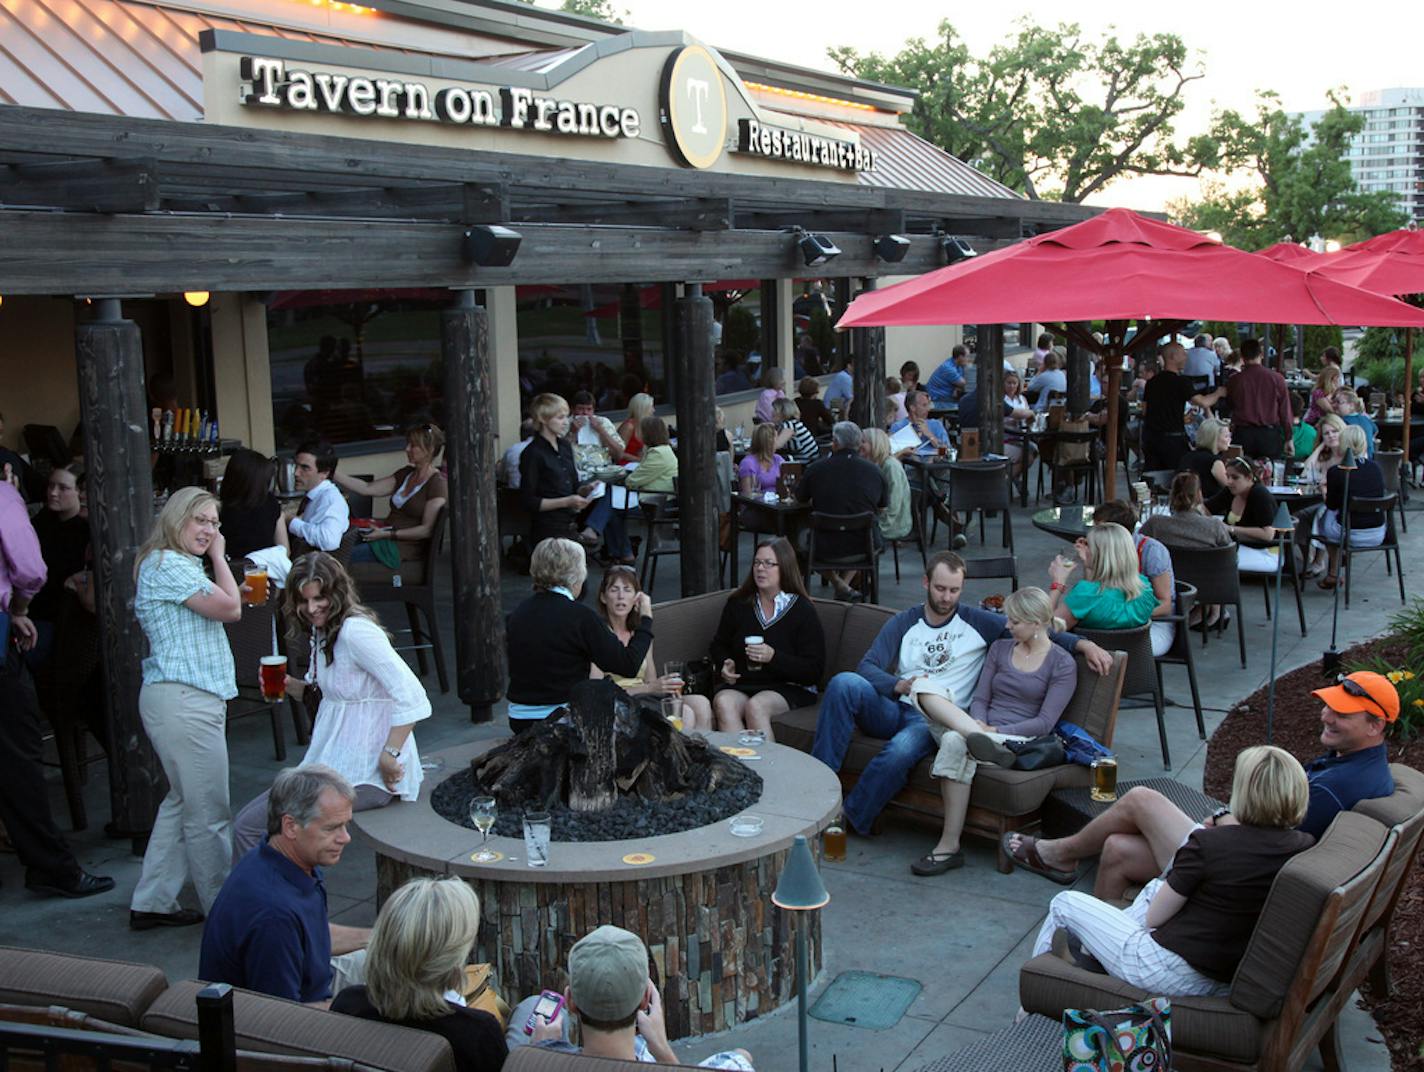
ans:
(990, 387)
(109, 352)
(1080, 377)
(480, 671)
(697, 444)
(867, 408)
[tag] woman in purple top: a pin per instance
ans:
(761, 468)
(773, 387)
(1023, 688)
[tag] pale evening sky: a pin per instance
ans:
(1300, 50)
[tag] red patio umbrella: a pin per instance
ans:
(1290, 253)
(1390, 263)
(1117, 267)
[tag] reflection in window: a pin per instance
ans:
(349, 366)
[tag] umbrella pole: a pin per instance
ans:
(1408, 399)
(1114, 390)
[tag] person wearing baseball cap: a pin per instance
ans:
(1138, 836)
(619, 1008)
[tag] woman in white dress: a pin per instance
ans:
(370, 699)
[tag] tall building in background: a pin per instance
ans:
(1389, 153)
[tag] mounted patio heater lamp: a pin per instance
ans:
(1330, 661)
(800, 889)
(1283, 526)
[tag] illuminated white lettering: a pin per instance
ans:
(629, 124)
(543, 108)
(608, 121)
(516, 106)
(361, 96)
(588, 120)
(263, 73)
(417, 101)
(568, 118)
(389, 105)
(483, 113)
(331, 87)
(699, 89)
(301, 93)
(452, 105)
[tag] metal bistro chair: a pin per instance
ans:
(976, 569)
(1289, 571)
(981, 487)
(1180, 653)
(1390, 463)
(868, 558)
(918, 509)
(1142, 677)
(1363, 504)
(418, 596)
(660, 534)
(1085, 468)
(252, 637)
(1212, 572)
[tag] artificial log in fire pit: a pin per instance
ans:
(610, 769)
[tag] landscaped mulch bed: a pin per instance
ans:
(1296, 728)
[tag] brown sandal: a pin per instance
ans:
(1328, 582)
(1025, 855)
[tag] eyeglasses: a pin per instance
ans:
(765, 563)
(1355, 689)
(208, 523)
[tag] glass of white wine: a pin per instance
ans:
(482, 813)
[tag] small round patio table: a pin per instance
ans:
(1066, 522)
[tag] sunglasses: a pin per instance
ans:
(1355, 689)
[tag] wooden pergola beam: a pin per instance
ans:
(82, 185)
(693, 213)
(67, 253)
(464, 202)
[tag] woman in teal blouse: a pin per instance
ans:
(1113, 593)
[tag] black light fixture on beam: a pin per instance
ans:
(490, 245)
(891, 248)
(956, 249)
(815, 249)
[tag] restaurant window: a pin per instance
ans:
(604, 338)
(738, 336)
(354, 366)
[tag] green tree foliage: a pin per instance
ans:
(1051, 112)
(593, 9)
(1300, 180)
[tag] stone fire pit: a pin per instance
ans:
(700, 899)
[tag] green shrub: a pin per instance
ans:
(1411, 694)
(1408, 625)
(1382, 373)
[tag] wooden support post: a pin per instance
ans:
(1080, 377)
(990, 358)
(697, 444)
(109, 353)
(480, 670)
(867, 407)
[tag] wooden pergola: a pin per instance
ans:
(110, 207)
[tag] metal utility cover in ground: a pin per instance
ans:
(864, 999)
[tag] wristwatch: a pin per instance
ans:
(393, 753)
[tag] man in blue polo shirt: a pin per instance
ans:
(947, 382)
(1139, 835)
(268, 930)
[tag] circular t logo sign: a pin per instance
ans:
(694, 107)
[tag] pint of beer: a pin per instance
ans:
(273, 674)
(1104, 780)
(256, 581)
(833, 841)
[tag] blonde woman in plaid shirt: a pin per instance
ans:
(188, 678)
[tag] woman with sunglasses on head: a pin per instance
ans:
(418, 490)
(769, 650)
(1249, 510)
(188, 678)
(618, 606)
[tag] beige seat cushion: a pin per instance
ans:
(112, 990)
(274, 1025)
(1403, 804)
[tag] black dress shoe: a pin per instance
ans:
(79, 884)
(146, 921)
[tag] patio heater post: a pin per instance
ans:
(1283, 526)
(867, 406)
(696, 401)
(109, 353)
(990, 358)
(480, 672)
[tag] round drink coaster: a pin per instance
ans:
(734, 751)
(498, 856)
(638, 859)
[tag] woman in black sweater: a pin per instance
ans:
(1367, 527)
(548, 478)
(250, 515)
(780, 672)
(553, 640)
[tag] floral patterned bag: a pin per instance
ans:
(1137, 1038)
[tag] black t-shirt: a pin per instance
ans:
(1259, 512)
(1225, 872)
(1367, 482)
(1165, 398)
(474, 1035)
(64, 546)
(1200, 462)
(247, 529)
(844, 483)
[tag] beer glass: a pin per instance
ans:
(748, 642)
(676, 668)
(256, 580)
(272, 672)
(1104, 780)
(672, 711)
(833, 841)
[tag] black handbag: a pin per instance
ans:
(1037, 752)
(699, 678)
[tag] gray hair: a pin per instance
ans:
(558, 563)
(297, 791)
(845, 435)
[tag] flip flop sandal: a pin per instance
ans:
(937, 863)
(987, 750)
(1328, 583)
(1025, 855)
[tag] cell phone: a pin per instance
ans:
(549, 1005)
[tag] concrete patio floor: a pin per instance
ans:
(962, 936)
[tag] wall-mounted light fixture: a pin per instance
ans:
(815, 248)
(490, 245)
(956, 249)
(891, 248)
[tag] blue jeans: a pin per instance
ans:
(852, 703)
(610, 524)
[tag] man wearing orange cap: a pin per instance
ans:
(1139, 835)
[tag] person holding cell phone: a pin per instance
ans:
(370, 698)
(769, 649)
(415, 974)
